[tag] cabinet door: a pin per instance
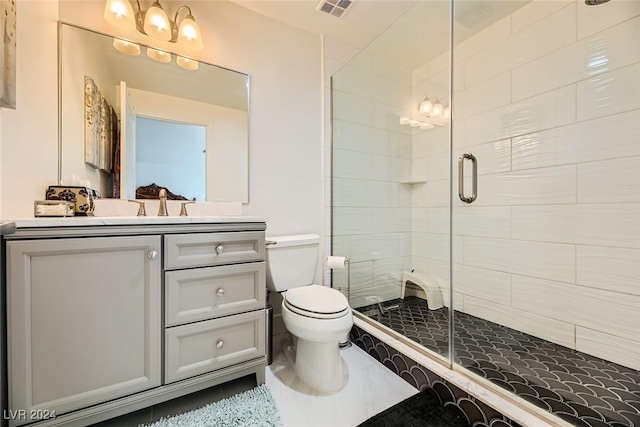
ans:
(83, 321)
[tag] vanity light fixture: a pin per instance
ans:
(187, 63)
(126, 47)
(159, 55)
(119, 13)
(434, 110)
(155, 23)
(425, 107)
(446, 114)
(415, 123)
(437, 109)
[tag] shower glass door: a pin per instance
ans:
(546, 258)
(390, 179)
(526, 199)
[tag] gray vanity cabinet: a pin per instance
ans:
(84, 322)
(105, 319)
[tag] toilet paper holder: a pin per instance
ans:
(339, 262)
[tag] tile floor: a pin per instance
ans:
(581, 389)
(371, 388)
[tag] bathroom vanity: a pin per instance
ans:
(109, 315)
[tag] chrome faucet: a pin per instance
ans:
(162, 210)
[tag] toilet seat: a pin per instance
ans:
(316, 301)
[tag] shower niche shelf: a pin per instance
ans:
(414, 181)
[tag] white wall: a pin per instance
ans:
(285, 113)
(548, 99)
(29, 140)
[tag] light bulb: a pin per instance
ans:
(437, 109)
(446, 113)
(189, 33)
(425, 107)
(187, 63)
(159, 55)
(156, 23)
(126, 47)
(119, 13)
(404, 120)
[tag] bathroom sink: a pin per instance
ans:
(121, 207)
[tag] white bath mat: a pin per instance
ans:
(255, 407)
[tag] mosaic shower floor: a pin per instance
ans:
(582, 389)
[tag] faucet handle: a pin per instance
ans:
(183, 208)
(141, 209)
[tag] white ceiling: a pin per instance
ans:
(405, 33)
(363, 21)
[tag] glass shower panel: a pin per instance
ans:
(546, 260)
(390, 181)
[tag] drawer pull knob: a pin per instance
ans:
(219, 249)
(219, 343)
(152, 254)
(220, 292)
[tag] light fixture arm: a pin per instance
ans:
(140, 19)
(175, 18)
(174, 23)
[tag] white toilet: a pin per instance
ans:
(318, 316)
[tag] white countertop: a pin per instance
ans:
(85, 221)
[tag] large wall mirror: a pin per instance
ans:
(127, 121)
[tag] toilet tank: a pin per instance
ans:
(291, 261)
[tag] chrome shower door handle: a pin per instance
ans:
(474, 177)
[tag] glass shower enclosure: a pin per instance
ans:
(486, 188)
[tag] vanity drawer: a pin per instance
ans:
(202, 347)
(205, 293)
(204, 249)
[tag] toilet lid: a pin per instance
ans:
(317, 299)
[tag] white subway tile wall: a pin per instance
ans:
(558, 210)
(548, 100)
(372, 154)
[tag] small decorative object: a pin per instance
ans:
(81, 197)
(152, 191)
(98, 131)
(92, 104)
(52, 208)
(8, 54)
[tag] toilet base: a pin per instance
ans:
(318, 365)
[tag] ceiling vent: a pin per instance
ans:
(336, 8)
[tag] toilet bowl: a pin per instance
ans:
(318, 317)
